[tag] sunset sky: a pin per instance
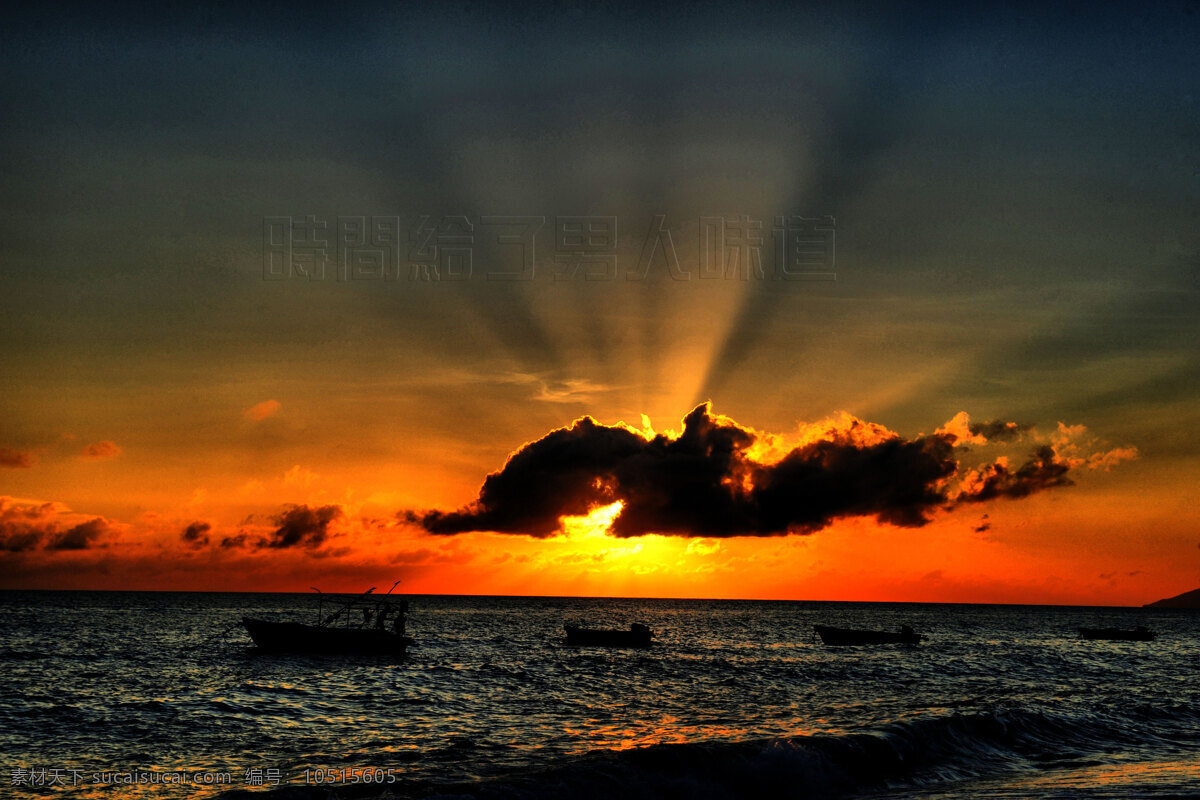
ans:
(1015, 204)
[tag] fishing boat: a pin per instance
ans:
(1139, 634)
(368, 623)
(638, 635)
(839, 637)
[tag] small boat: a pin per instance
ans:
(295, 637)
(368, 623)
(838, 637)
(638, 635)
(1139, 634)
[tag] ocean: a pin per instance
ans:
(131, 694)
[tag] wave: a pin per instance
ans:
(907, 754)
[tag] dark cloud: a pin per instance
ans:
(18, 540)
(897, 481)
(81, 537)
(706, 483)
(997, 430)
(196, 534)
(302, 526)
(232, 542)
(1045, 470)
(562, 473)
(17, 459)
(24, 526)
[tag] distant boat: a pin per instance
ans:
(366, 624)
(1138, 634)
(838, 637)
(638, 635)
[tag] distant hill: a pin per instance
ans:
(1186, 600)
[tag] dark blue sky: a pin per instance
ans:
(1015, 194)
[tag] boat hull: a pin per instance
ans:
(599, 637)
(843, 637)
(294, 637)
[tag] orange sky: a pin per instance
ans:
(1073, 544)
(1010, 234)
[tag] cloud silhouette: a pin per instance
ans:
(27, 526)
(81, 537)
(711, 481)
(234, 542)
(964, 431)
(997, 430)
(301, 526)
(19, 539)
(196, 534)
(1045, 470)
(16, 459)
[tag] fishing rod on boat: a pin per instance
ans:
(320, 603)
(345, 608)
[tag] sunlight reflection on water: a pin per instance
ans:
(490, 687)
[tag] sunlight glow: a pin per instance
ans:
(593, 525)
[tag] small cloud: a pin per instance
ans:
(231, 542)
(703, 547)
(196, 534)
(24, 525)
(81, 537)
(100, 450)
(998, 430)
(1107, 461)
(555, 390)
(302, 525)
(299, 476)
(569, 391)
(959, 430)
(1044, 470)
(964, 431)
(421, 556)
(16, 459)
(267, 408)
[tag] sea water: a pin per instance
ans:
(161, 695)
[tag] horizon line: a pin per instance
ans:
(593, 597)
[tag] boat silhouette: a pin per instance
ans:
(368, 623)
(638, 635)
(1138, 634)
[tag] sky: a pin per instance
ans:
(806, 303)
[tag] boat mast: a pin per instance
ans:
(319, 603)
